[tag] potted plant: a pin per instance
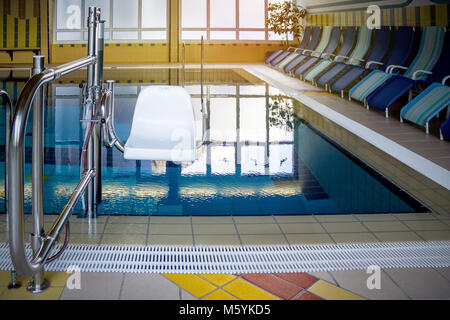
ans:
(285, 18)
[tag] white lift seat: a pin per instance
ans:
(163, 126)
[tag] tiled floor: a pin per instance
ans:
(233, 230)
(337, 285)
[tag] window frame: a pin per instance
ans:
(237, 29)
(110, 30)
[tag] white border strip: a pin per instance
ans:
(239, 259)
(420, 164)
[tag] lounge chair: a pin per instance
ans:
(347, 45)
(360, 50)
(426, 105)
(303, 44)
(327, 32)
(401, 49)
(422, 66)
(284, 53)
(281, 60)
(380, 46)
(430, 45)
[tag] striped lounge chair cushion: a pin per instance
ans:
(426, 105)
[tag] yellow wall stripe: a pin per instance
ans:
(10, 31)
(34, 30)
(425, 16)
(358, 21)
(441, 15)
(22, 33)
(390, 17)
(34, 33)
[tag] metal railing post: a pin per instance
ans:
(97, 133)
(38, 283)
(90, 106)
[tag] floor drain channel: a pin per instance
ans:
(255, 259)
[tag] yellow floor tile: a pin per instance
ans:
(344, 227)
(191, 283)
(219, 295)
(353, 237)
(434, 235)
(124, 239)
(172, 240)
(223, 239)
(397, 236)
(51, 293)
(329, 291)
(57, 279)
(246, 291)
(5, 278)
(295, 239)
(218, 279)
(126, 228)
(265, 239)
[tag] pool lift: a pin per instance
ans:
(163, 128)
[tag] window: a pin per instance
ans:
(224, 20)
(125, 21)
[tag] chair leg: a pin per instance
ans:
(441, 135)
(387, 112)
(401, 120)
(342, 94)
(427, 128)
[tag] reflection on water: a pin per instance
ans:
(259, 159)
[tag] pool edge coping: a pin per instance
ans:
(411, 159)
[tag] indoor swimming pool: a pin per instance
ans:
(259, 159)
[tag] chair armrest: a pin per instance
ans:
(414, 77)
(326, 55)
(445, 80)
(373, 62)
(336, 57)
(357, 59)
(392, 67)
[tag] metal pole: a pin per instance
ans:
(38, 283)
(97, 134)
(91, 83)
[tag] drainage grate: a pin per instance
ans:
(255, 259)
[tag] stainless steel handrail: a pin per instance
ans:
(110, 137)
(8, 113)
(19, 258)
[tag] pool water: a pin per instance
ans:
(259, 158)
